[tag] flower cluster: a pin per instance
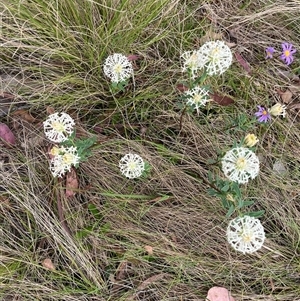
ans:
(214, 56)
(245, 234)
(132, 166)
(58, 128)
(197, 97)
(264, 115)
(118, 68)
(240, 164)
(62, 160)
(286, 54)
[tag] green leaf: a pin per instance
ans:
(248, 203)
(210, 176)
(212, 192)
(256, 213)
(225, 188)
(211, 161)
(230, 211)
(84, 232)
(95, 212)
(225, 202)
(240, 203)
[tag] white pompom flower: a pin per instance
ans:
(215, 56)
(117, 67)
(240, 164)
(197, 97)
(191, 62)
(132, 166)
(64, 158)
(245, 234)
(58, 127)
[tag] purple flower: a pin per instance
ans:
(262, 114)
(269, 51)
(287, 53)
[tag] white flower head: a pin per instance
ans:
(65, 158)
(239, 164)
(191, 62)
(245, 234)
(132, 166)
(215, 56)
(277, 110)
(197, 97)
(57, 127)
(117, 67)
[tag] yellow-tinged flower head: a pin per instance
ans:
(250, 140)
(277, 110)
(55, 151)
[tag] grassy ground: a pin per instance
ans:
(160, 238)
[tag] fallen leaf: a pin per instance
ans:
(50, 110)
(122, 270)
(219, 294)
(149, 281)
(6, 100)
(133, 57)
(71, 183)
(289, 75)
(242, 62)
(5, 96)
(182, 87)
(279, 167)
(295, 106)
(25, 115)
(294, 89)
(149, 250)
(7, 135)
(222, 99)
(48, 264)
(209, 36)
(286, 95)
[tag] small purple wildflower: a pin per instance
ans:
(269, 51)
(262, 114)
(287, 53)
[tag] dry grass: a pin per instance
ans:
(105, 257)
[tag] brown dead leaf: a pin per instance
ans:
(71, 183)
(6, 97)
(48, 264)
(209, 36)
(50, 110)
(295, 106)
(149, 281)
(7, 135)
(182, 87)
(288, 75)
(219, 294)
(133, 57)
(25, 115)
(5, 202)
(222, 100)
(149, 250)
(122, 270)
(243, 62)
(286, 96)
